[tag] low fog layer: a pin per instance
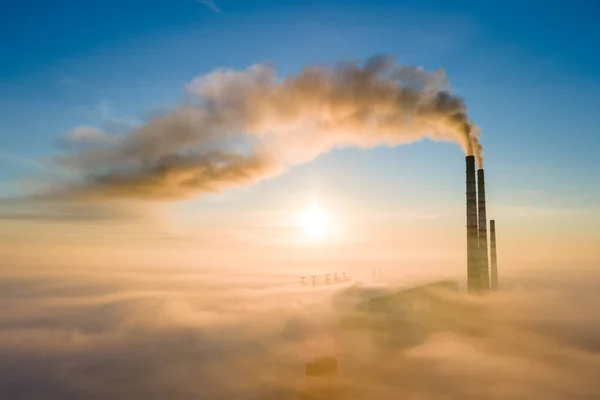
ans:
(184, 334)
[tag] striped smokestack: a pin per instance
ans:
(493, 255)
(483, 248)
(473, 270)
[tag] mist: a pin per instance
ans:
(187, 332)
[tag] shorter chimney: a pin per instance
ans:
(494, 261)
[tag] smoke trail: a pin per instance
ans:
(239, 127)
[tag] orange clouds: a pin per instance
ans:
(180, 332)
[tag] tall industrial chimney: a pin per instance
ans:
(473, 267)
(483, 248)
(493, 255)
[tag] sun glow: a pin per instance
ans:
(314, 220)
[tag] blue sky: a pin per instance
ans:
(529, 73)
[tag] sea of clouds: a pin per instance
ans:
(184, 333)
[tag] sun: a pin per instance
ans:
(314, 220)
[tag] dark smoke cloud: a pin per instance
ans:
(201, 335)
(239, 127)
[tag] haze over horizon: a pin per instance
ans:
(170, 169)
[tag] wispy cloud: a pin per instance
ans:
(19, 160)
(67, 81)
(210, 4)
(112, 123)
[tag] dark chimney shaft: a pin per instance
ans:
(473, 267)
(483, 245)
